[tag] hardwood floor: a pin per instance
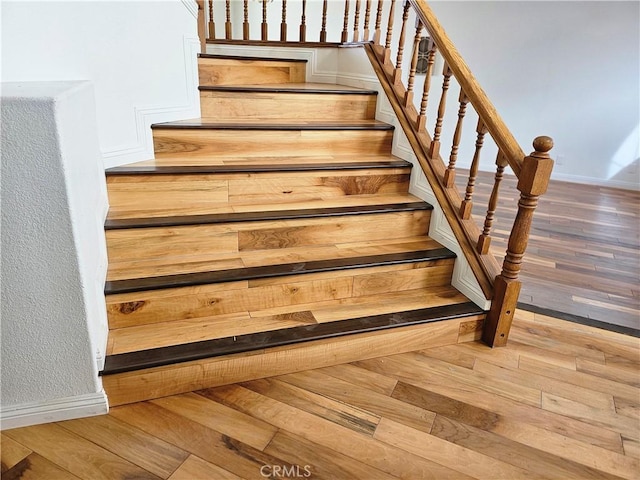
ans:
(583, 257)
(561, 401)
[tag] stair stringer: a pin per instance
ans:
(324, 66)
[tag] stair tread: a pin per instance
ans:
(442, 304)
(258, 162)
(277, 270)
(207, 123)
(250, 216)
(309, 87)
(195, 263)
(132, 169)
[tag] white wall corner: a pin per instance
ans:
(148, 115)
(57, 410)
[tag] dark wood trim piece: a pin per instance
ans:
(270, 271)
(284, 89)
(250, 59)
(118, 224)
(221, 41)
(590, 322)
(158, 357)
(181, 125)
(294, 167)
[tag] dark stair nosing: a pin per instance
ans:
(215, 218)
(270, 271)
(248, 58)
(294, 167)
(283, 89)
(266, 126)
(175, 354)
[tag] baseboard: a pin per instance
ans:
(54, 411)
(567, 177)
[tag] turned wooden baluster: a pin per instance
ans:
(434, 148)
(212, 23)
(484, 240)
(367, 17)
(387, 43)
(227, 24)
(345, 33)
(303, 22)
(264, 27)
(245, 23)
(356, 22)
(450, 172)
(397, 72)
(283, 25)
(532, 182)
(408, 96)
(323, 31)
(431, 58)
(467, 203)
(377, 33)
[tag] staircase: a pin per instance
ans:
(272, 235)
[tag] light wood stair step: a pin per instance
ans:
(176, 354)
(228, 69)
(205, 123)
(288, 101)
(269, 271)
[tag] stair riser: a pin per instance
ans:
(163, 381)
(214, 72)
(148, 193)
(204, 243)
(263, 143)
(225, 106)
(286, 294)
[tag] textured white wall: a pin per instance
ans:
(53, 249)
(140, 56)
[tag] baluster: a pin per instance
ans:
(212, 23)
(265, 29)
(377, 32)
(450, 172)
(532, 182)
(227, 24)
(431, 58)
(356, 22)
(467, 204)
(245, 23)
(303, 22)
(323, 31)
(434, 148)
(345, 34)
(387, 43)
(397, 73)
(283, 25)
(408, 97)
(367, 15)
(484, 240)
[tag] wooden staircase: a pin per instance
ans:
(272, 235)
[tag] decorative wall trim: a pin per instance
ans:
(145, 116)
(192, 6)
(57, 410)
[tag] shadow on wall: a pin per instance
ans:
(631, 171)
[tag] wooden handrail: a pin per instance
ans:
(472, 89)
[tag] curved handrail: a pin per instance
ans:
(477, 97)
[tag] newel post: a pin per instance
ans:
(532, 182)
(201, 27)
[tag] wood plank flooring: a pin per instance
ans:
(583, 257)
(561, 401)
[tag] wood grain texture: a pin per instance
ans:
(234, 71)
(426, 424)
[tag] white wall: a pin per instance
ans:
(53, 253)
(570, 70)
(140, 56)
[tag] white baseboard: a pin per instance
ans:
(567, 177)
(54, 411)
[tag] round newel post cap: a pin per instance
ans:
(543, 144)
